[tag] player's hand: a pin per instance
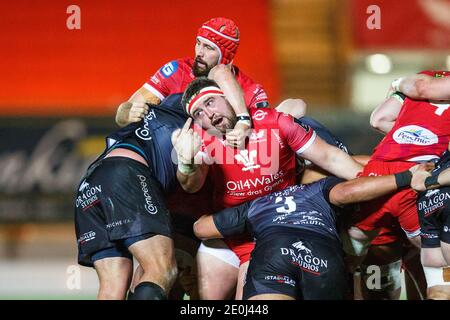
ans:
(186, 142)
(130, 112)
(138, 111)
(420, 173)
(236, 137)
(426, 166)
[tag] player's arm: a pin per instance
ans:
(294, 107)
(193, 181)
(368, 188)
(227, 82)
(385, 114)
(428, 181)
(302, 139)
(225, 223)
(191, 172)
(314, 173)
(330, 158)
(224, 77)
(204, 228)
(159, 86)
(136, 107)
(425, 87)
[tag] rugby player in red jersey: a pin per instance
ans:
(417, 131)
(216, 45)
(266, 164)
(217, 42)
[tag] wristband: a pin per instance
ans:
(186, 169)
(432, 181)
(396, 84)
(399, 96)
(403, 179)
(243, 117)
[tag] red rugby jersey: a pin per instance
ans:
(421, 131)
(176, 75)
(267, 164)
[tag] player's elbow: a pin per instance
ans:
(422, 87)
(377, 120)
(344, 193)
(200, 229)
(294, 107)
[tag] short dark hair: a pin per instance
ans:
(194, 88)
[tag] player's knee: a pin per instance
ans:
(382, 278)
(163, 271)
(148, 291)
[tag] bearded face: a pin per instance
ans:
(206, 58)
(215, 115)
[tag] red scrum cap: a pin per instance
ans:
(436, 74)
(223, 34)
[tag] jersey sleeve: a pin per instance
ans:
(328, 184)
(162, 82)
(232, 221)
(299, 136)
(255, 96)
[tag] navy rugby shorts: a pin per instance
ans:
(118, 204)
(301, 265)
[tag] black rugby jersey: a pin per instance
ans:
(151, 138)
(299, 207)
(436, 201)
(323, 132)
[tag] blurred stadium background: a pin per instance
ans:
(60, 89)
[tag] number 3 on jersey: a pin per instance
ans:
(441, 107)
(289, 204)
